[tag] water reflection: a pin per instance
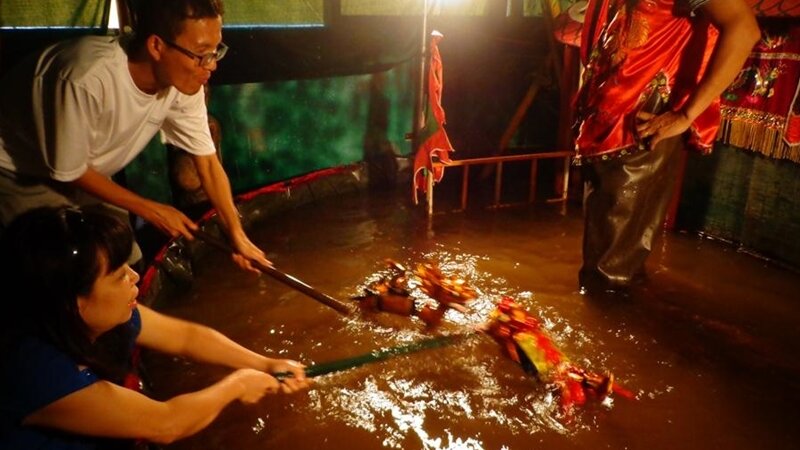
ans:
(429, 398)
(471, 395)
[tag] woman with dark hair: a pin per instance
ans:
(70, 325)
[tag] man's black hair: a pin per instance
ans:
(165, 17)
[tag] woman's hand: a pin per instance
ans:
(255, 384)
(657, 128)
(296, 382)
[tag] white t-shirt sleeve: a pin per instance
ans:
(62, 122)
(186, 125)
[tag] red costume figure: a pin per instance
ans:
(654, 73)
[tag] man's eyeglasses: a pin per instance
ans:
(202, 60)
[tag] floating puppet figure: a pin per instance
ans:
(527, 343)
(393, 294)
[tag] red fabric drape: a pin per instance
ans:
(435, 143)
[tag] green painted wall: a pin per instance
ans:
(274, 131)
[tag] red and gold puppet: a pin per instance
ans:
(393, 294)
(520, 334)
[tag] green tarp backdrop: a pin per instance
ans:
(52, 13)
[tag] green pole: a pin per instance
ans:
(380, 355)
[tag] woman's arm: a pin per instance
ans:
(200, 343)
(104, 409)
(738, 33)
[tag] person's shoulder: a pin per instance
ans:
(27, 355)
(88, 57)
(41, 368)
(34, 374)
(98, 46)
(30, 351)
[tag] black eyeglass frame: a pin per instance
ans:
(202, 60)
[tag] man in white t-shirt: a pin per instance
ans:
(81, 110)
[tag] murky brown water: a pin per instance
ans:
(710, 345)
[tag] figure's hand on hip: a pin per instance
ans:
(656, 128)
